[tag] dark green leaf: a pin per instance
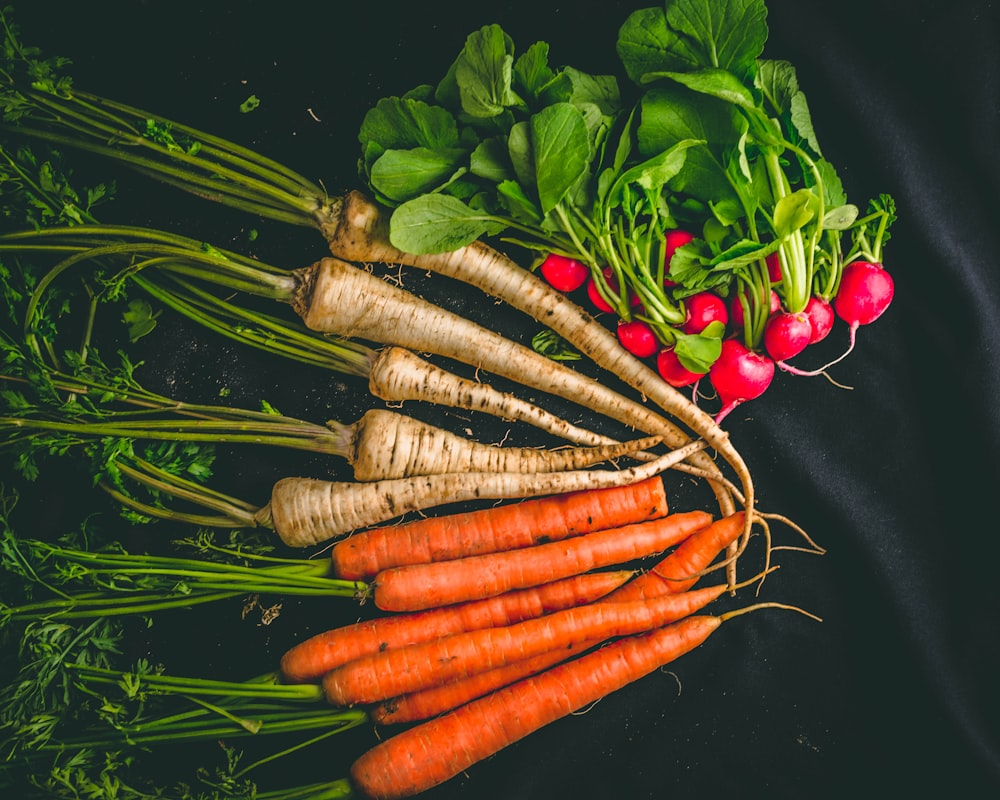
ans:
(484, 73)
(561, 149)
(437, 223)
(402, 175)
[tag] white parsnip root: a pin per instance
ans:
(339, 298)
(389, 445)
(398, 375)
(307, 511)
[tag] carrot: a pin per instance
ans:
(309, 660)
(430, 753)
(307, 511)
(377, 677)
(415, 586)
(504, 527)
(680, 569)
(427, 703)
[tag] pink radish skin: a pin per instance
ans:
(704, 308)
(564, 274)
(786, 334)
(595, 296)
(736, 309)
(673, 240)
(773, 267)
(866, 290)
(865, 293)
(821, 317)
(739, 375)
(673, 372)
(638, 338)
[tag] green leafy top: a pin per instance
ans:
(704, 133)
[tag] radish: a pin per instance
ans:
(787, 334)
(773, 267)
(673, 371)
(563, 273)
(703, 308)
(672, 240)
(736, 308)
(865, 292)
(821, 318)
(739, 375)
(638, 338)
(595, 295)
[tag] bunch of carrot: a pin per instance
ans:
(498, 620)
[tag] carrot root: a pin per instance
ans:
(432, 752)
(503, 527)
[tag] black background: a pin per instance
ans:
(896, 690)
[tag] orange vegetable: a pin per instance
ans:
(391, 673)
(430, 702)
(418, 586)
(430, 753)
(504, 527)
(311, 659)
(679, 571)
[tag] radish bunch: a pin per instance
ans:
(746, 364)
(687, 196)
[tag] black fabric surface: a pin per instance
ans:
(895, 692)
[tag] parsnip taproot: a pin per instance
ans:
(308, 511)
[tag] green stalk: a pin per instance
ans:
(337, 790)
(204, 165)
(259, 330)
(203, 581)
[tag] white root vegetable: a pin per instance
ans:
(335, 297)
(356, 231)
(384, 444)
(398, 375)
(307, 511)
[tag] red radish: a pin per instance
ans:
(736, 308)
(773, 267)
(612, 281)
(703, 308)
(673, 239)
(821, 317)
(595, 296)
(564, 274)
(673, 371)
(638, 338)
(739, 375)
(786, 334)
(865, 292)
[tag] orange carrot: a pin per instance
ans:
(391, 673)
(430, 753)
(504, 527)
(680, 570)
(311, 659)
(417, 586)
(427, 703)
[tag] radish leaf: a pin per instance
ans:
(434, 223)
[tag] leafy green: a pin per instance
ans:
(710, 136)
